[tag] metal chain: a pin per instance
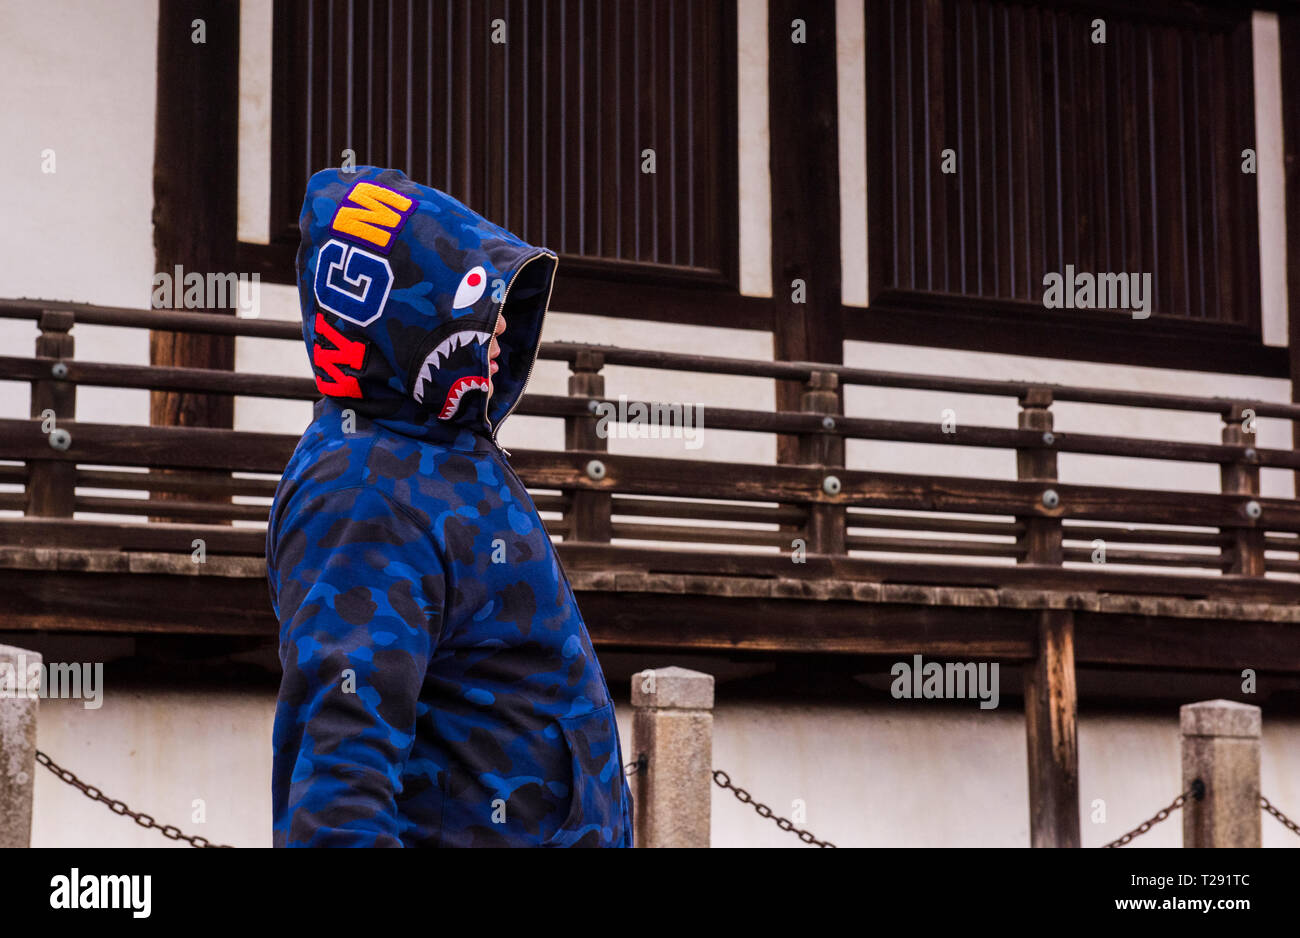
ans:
(117, 807)
(1289, 824)
(1197, 791)
(724, 781)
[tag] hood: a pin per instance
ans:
(401, 287)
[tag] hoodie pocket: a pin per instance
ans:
(595, 817)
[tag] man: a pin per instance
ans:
(440, 688)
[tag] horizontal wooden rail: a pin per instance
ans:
(163, 319)
(180, 510)
(175, 482)
(218, 324)
(161, 537)
(696, 534)
(927, 545)
(618, 558)
(708, 511)
(612, 559)
(1134, 535)
(154, 447)
(163, 378)
(636, 475)
(193, 448)
(861, 518)
(848, 375)
(1153, 558)
(808, 501)
(715, 418)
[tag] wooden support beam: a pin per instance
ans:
(195, 186)
(129, 585)
(1245, 552)
(51, 484)
(803, 106)
(1051, 713)
(195, 191)
(589, 512)
(1041, 540)
(1289, 53)
(826, 521)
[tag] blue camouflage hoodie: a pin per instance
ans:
(439, 688)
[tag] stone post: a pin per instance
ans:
(1221, 748)
(17, 747)
(672, 727)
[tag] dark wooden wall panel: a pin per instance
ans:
(1115, 157)
(543, 134)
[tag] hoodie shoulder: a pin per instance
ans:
(341, 452)
(332, 455)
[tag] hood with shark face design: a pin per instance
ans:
(401, 287)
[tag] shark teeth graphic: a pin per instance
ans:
(458, 390)
(433, 361)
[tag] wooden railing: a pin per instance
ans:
(818, 505)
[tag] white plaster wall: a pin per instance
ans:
(886, 776)
(869, 776)
(851, 64)
(157, 751)
(754, 146)
(253, 221)
(1271, 182)
(78, 79)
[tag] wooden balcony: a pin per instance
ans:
(1189, 580)
(799, 557)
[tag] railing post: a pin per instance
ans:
(1242, 478)
(589, 512)
(17, 750)
(826, 522)
(1051, 700)
(672, 727)
(1221, 740)
(1051, 735)
(51, 483)
(1041, 540)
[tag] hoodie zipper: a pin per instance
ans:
(541, 320)
(559, 561)
(511, 469)
(568, 583)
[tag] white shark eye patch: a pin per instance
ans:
(471, 288)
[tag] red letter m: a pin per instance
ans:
(349, 352)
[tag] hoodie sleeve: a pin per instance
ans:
(361, 590)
